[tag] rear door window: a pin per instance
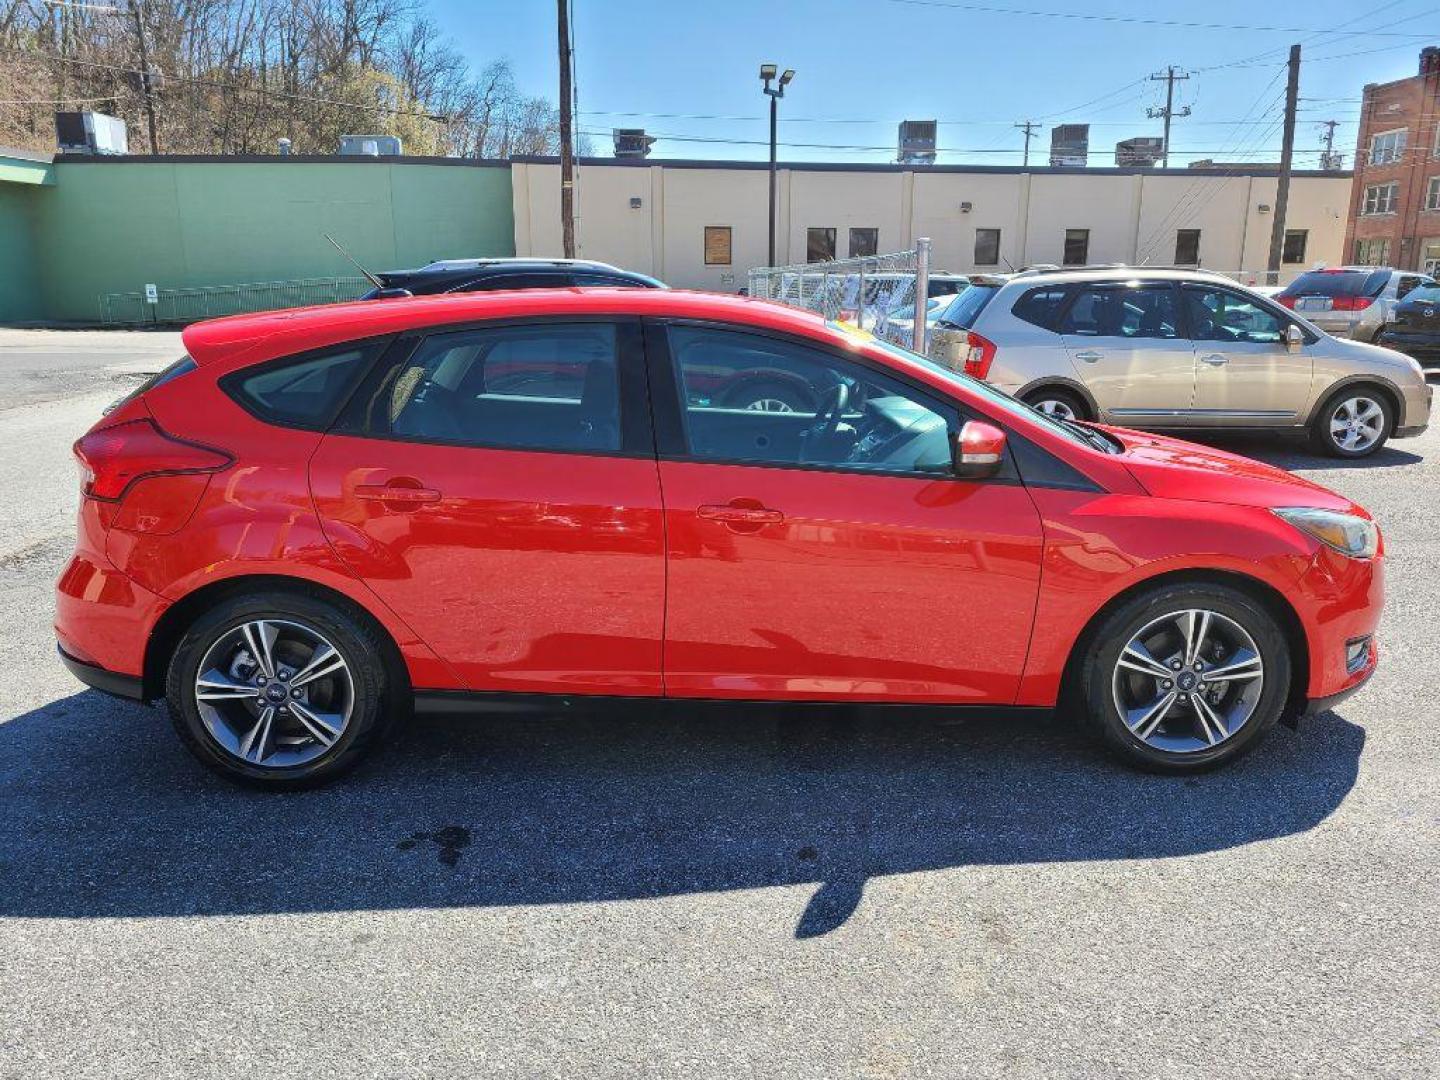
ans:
(1117, 311)
(537, 387)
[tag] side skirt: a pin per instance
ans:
(457, 703)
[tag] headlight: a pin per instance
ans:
(1354, 536)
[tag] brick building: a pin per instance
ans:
(1395, 201)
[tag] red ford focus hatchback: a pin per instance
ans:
(322, 519)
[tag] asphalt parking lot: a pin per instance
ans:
(799, 896)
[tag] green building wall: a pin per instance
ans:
(19, 272)
(115, 225)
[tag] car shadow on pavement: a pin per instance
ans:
(1294, 454)
(106, 815)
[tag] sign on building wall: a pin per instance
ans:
(717, 245)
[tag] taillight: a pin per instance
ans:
(1351, 303)
(114, 458)
(979, 354)
(1286, 301)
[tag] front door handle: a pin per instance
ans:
(401, 493)
(1089, 356)
(1215, 359)
(740, 515)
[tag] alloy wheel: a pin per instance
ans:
(274, 693)
(1356, 424)
(769, 404)
(1055, 409)
(1188, 681)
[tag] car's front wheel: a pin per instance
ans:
(1185, 677)
(1354, 423)
(1058, 404)
(279, 689)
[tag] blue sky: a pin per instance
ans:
(686, 70)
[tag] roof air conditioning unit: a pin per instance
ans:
(90, 133)
(369, 146)
(917, 142)
(632, 142)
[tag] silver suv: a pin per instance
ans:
(1177, 350)
(1350, 301)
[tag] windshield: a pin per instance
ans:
(1001, 400)
(1428, 294)
(965, 308)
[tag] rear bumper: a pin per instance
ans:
(102, 679)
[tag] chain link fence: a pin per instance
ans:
(192, 305)
(885, 294)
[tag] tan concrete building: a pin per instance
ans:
(704, 224)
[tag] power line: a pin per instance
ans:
(1140, 20)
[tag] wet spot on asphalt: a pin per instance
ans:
(451, 840)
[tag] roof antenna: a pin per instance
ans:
(1008, 263)
(348, 258)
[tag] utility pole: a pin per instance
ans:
(567, 150)
(1028, 127)
(145, 80)
(1329, 160)
(1169, 77)
(1287, 151)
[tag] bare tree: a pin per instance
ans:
(233, 76)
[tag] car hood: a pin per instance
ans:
(1174, 469)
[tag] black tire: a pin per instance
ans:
(1098, 668)
(749, 395)
(1068, 399)
(372, 691)
(1324, 442)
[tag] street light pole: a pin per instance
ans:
(767, 75)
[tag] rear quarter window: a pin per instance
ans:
(1040, 307)
(304, 391)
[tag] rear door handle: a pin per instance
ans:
(1089, 356)
(403, 491)
(1214, 359)
(740, 515)
(744, 515)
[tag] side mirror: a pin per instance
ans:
(978, 450)
(1294, 338)
(392, 293)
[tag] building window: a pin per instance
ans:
(1381, 198)
(1387, 147)
(1077, 247)
(1432, 194)
(1187, 247)
(987, 247)
(1294, 251)
(864, 242)
(717, 245)
(1375, 252)
(819, 245)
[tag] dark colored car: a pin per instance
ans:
(489, 275)
(1416, 329)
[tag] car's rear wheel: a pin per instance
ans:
(279, 690)
(1353, 423)
(1185, 677)
(1058, 404)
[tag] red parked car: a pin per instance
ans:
(321, 519)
